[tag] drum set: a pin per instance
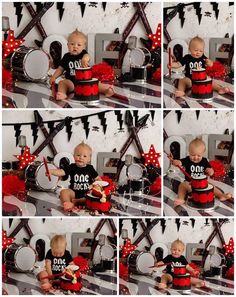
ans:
(107, 254)
(137, 182)
(141, 68)
(29, 64)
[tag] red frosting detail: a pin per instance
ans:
(203, 197)
(179, 270)
(182, 282)
(111, 187)
(96, 193)
(199, 75)
(94, 205)
(83, 74)
(202, 89)
(86, 90)
(69, 286)
(199, 184)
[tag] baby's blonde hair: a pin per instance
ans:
(197, 142)
(177, 242)
(56, 239)
(78, 33)
(195, 39)
(83, 145)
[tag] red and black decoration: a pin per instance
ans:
(11, 43)
(25, 158)
(218, 167)
(156, 38)
(6, 241)
(152, 157)
(87, 90)
(229, 247)
(127, 248)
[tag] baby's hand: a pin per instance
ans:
(209, 171)
(85, 61)
(195, 273)
(208, 62)
(176, 162)
(52, 80)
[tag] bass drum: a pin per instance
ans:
(20, 258)
(37, 180)
(140, 57)
(30, 64)
(140, 262)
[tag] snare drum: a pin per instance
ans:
(30, 64)
(217, 260)
(37, 180)
(20, 258)
(140, 262)
(141, 73)
(140, 56)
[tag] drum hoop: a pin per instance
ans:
(142, 51)
(17, 251)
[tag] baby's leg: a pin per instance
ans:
(183, 189)
(79, 201)
(165, 279)
(44, 281)
(65, 86)
(67, 196)
(222, 196)
(220, 89)
(183, 84)
(106, 89)
(197, 282)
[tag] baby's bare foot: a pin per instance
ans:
(178, 201)
(61, 96)
(162, 285)
(225, 196)
(179, 93)
(223, 90)
(109, 91)
(68, 206)
(200, 284)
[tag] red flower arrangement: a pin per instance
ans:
(12, 185)
(157, 74)
(216, 71)
(103, 72)
(218, 167)
(155, 188)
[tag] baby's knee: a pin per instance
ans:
(66, 194)
(42, 275)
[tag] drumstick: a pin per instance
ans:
(169, 52)
(53, 276)
(47, 170)
(54, 93)
(121, 97)
(165, 264)
(180, 168)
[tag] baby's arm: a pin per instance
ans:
(57, 172)
(85, 60)
(176, 162)
(209, 62)
(48, 266)
(56, 74)
(175, 65)
(192, 270)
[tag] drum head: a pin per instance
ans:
(36, 64)
(25, 258)
(144, 262)
(137, 57)
(107, 252)
(43, 181)
(216, 260)
(135, 171)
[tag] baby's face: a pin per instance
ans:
(76, 44)
(177, 250)
(196, 153)
(197, 49)
(58, 249)
(82, 156)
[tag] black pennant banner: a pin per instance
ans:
(85, 122)
(103, 120)
(134, 223)
(69, 128)
(82, 7)
(18, 6)
(17, 128)
(34, 128)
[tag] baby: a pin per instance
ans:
(82, 175)
(77, 57)
(195, 60)
(56, 260)
(176, 257)
(196, 164)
